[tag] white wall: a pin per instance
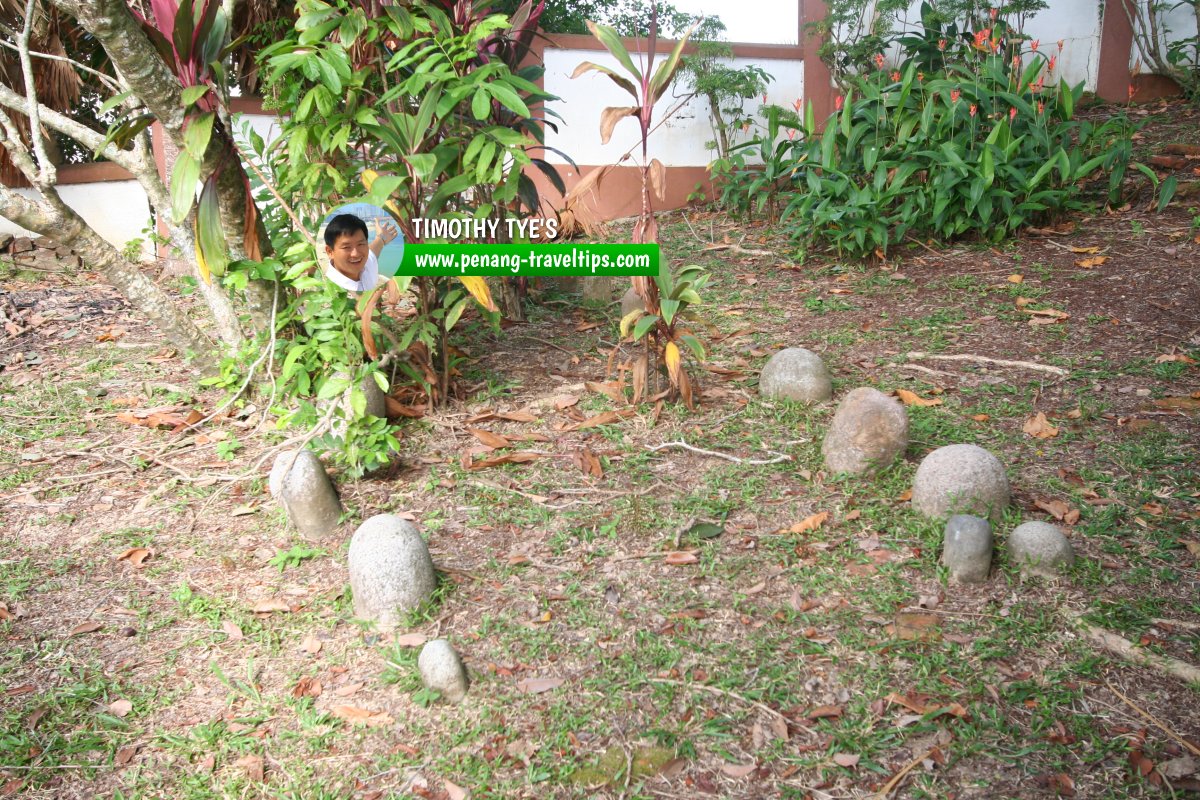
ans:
(117, 210)
(677, 143)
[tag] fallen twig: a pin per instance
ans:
(726, 693)
(999, 362)
(1121, 646)
(891, 785)
(1154, 720)
(779, 457)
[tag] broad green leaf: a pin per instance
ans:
(198, 134)
(643, 325)
(190, 96)
(183, 185)
(666, 70)
(612, 43)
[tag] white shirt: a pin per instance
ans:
(367, 281)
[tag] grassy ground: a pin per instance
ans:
(782, 660)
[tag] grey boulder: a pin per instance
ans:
(960, 478)
(391, 572)
(869, 430)
(1039, 548)
(443, 671)
(967, 548)
(797, 375)
(631, 301)
(299, 482)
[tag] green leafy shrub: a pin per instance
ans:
(985, 144)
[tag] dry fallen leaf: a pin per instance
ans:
(232, 630)
(680, 557)
(1089, 263)
(605, 418)
(539, 685)
(1039, 427)
(269, 604)
(913, 399)
(410, 640)
(86, 627)
(1179, 357)
(981, 417)
(488, 438)
(125, 755)
(311, 645)
(917, 626)
(361, 716)
(120, 708)
(1085, 250)
(809, 523)
(1016, 278)
(307, 686)
(135, 555)
(1055, 508)
(454, 791)
(348, 689)
(824, 712)
(253, 765)
(738, 770)
(520, 457)
(846, 759)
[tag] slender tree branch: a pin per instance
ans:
(69, 127)
(46, 174)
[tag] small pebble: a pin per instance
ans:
(128, 631)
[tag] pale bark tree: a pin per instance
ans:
(137, 68)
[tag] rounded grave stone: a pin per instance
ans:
(442, 670)
(300, 483)
(796, 374)
(391, 572)
(967, 548)
(868, 431)
(960, 478)
(1040, 548)
(631, 301)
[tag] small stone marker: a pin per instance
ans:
(305, 492)
(796, 374)
(868, 431)
(443, 671)
(960, 478)
(631, 301)
(1040, 548)
(967, 550)
(391, 572)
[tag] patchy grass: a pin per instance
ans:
(784, 660)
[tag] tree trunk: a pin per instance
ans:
(65, 225)
(509, 299)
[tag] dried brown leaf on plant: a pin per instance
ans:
(519, 457)
(1039, 427)
(610, 389)
(361, 716)
(913, 399)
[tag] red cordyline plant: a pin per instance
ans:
(664, 297)
(193, 40)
